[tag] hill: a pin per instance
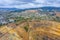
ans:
(48, 8)
(31, 30)
(41, 23)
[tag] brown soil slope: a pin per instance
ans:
(37, 30)
(44, 30)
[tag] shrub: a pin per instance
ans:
(26, 28)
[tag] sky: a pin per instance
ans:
(28, 3)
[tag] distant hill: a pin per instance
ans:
(45, 9)
(39, 8)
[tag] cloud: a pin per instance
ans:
(28, 3)
(26, 0)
